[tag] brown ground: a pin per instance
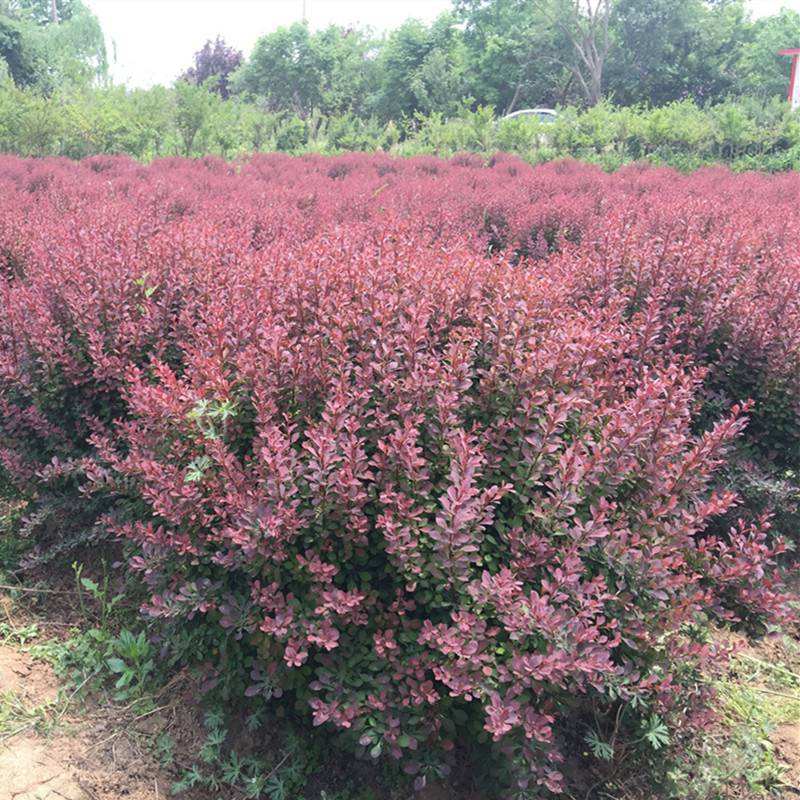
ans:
(31, 681)
(787, 745)
(84, 757)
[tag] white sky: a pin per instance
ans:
(155, 40)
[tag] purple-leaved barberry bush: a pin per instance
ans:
(439, 441)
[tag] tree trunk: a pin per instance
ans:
(513, 100)
(588, 33)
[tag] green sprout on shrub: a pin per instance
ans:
(212, 416)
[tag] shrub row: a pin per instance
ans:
(746, 133)
(438, 442)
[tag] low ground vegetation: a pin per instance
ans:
(488, 469)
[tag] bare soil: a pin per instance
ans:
(31, 681)
(84, 757)
(787, 746)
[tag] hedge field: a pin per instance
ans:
(441, 450)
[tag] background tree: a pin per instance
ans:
(296, 70)
(420, 68)
(281, 70)
(214, 60)
(40, 12)
(343, 58)
(507, 54)
(725, 32)
(19, 52)
(47, 55)
(586, 25)
(666, 50)
(194, 106)
(74, 48)
(762, 72)
(656, 47)
(513, 53)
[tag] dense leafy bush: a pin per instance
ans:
(437, 441)
(194, 120)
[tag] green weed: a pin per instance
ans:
(755, 697)
(277, 776)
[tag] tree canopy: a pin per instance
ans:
(49, 51)
(214, 62)
(299, 70)
(511, 54)
(503, 54)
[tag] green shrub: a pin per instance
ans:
(747, 133)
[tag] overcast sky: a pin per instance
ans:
(154, 40)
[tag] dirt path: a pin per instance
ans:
(28, 767)
(786, 739)
(29, 771)
(58, 751)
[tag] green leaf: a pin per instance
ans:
(124, 680)
(656, 733)
(600, 749)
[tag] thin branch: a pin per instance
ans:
(31, 590)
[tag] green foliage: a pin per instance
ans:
(296, 70)
(50, 55)
(738, 757)
(11, 546)
(762, 71)
(99, 660)
(516, 56)
(276, 776)
(19, 55)
(507, 54)
(193, 108)
(40, 11)
(521, 53)
(421, 69)
(99, 592)
(132, 661)
(194, 120)
(106, 655)
(670, 49)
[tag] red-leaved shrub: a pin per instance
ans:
(425, 435)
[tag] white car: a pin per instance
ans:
(544, 114)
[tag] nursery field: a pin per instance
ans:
(466, 478)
